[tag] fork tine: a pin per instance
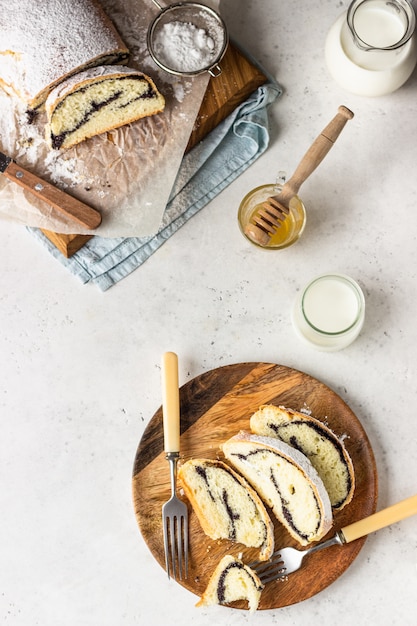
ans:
(176, 546)
(270, 570)
(179, 547)
(260, 566)
(166, 543)
(172, 541)
(182, 547)
(272, 574)
(185, 542)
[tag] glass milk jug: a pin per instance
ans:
(371, 50)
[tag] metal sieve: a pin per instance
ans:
(197, 17)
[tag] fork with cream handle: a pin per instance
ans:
(288, 560)
(174, 511)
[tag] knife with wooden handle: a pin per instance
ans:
(59, 200)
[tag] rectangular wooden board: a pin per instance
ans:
(238, 79)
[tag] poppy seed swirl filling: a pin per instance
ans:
(201, 471)
(313, 438)
(222, 582)
(97, 101)
(121, 93)
(225, 499)
(285, 500)
(232, 514)
(286, 481)
(286, 510)
(286, 433)
(226, 506)
(232, 580)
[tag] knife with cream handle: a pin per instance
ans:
(59, 200)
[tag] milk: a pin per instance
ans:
(331, 306)
(371, 72)
(378, 25)
(329, 313)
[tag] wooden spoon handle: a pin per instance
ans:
(379, 520)
(58, 199)
(316, 153)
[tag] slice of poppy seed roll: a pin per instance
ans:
(232, 580)
(226, 505)
(322, 447)
(99, 100)
(286, 481)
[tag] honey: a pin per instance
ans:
(291, 228)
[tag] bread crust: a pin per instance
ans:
(88, 77)
(40, 44)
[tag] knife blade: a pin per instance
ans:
(58, 199)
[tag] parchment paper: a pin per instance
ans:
(126, 174)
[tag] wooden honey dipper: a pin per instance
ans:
(266, 220)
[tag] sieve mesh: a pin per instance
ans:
(195, 15)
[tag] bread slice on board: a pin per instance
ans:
(226, 505)
(326, 452)
(286, 481)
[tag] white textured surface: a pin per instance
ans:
(80, 372)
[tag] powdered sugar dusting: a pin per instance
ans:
(114, 172)
(183, 47)
(28, 147)
(65, 171)
(66, 36)
(90, 74)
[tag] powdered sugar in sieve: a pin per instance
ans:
(187, 39)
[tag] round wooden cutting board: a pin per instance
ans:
(217, 405)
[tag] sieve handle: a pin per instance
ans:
(158, 5)
(215, 71)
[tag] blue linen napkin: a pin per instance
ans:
(205, 171)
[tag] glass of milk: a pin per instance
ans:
(371, 50)
(329, 313)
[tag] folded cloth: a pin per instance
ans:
(205, 171)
